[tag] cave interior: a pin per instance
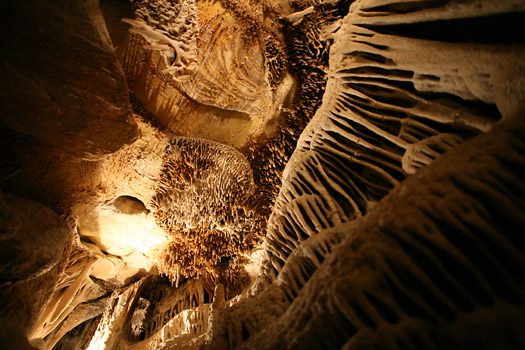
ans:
(262, 174)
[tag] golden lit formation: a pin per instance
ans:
(256, 174)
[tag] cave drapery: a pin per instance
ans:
(254, 174)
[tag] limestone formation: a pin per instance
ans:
(73, 288)
(171, 29)
(291, 174)
(371, 132)
(204, 184)
(439, 271)
(205, 201)
(225, 88)
(378, 122)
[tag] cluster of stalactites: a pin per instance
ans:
(204, 184)
(175, 301)
(205, 202)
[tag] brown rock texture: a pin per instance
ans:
(34, 248)
(303, 174)
(61, 80)
(371, 195)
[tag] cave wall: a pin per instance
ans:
(84, 111)
(404, 88)
(395, 223)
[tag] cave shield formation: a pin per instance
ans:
(291, 174)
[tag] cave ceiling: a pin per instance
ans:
(256, 174)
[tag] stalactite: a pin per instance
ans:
(73, 288)
(205, 201)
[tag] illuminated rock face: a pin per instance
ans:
(399, 217)
(204, 184)
(431, 272)
(213, 93)
(347, 266)
(384, 117)
(205, 198)
(171, 28)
